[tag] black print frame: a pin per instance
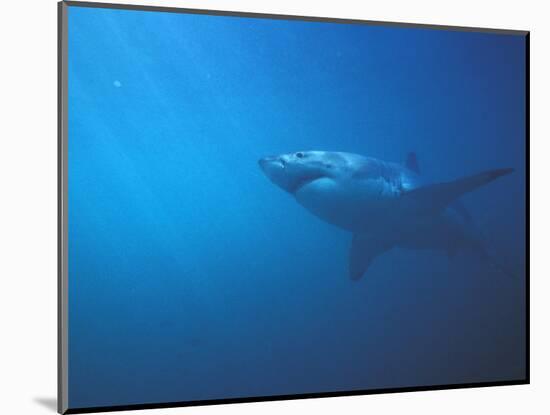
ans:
(258, 207)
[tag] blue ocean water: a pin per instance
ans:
(192, 277)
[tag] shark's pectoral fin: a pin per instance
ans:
(364, 249)
(433, 198)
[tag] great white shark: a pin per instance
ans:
(384, 204)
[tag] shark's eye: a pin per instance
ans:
(300, 155)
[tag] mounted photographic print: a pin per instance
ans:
(259, 207)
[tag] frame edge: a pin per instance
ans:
(62, 228)
(62, 260)
(258, 15)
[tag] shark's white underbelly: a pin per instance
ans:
(375, 209)
(357, 207)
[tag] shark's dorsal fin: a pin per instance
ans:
(363, 250)
(412, 163)
(433, 198)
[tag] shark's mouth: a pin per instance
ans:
(304, 181)
(280, 172)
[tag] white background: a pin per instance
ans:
(28, 204)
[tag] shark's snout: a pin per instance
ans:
(276, 169)
(263, 162)
(269, 163)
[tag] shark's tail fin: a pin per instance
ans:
(502, 268)
(489, 256)
(436, 197)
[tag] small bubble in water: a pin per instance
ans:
(117, 84)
